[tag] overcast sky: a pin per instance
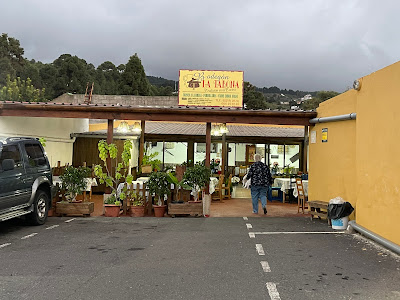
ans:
(294, 44)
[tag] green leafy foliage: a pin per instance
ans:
(197, 177)
(149, 159)
(20, 90)
(121, 173)
(73, 180)
(42, 141)
(159, 185)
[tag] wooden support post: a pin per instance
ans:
(84, 192)
(208, 150)
(190, 154)
(141, 145)
(224, 162)
(110, 132)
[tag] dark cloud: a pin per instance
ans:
(298, 44)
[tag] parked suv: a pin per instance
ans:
(26, 186)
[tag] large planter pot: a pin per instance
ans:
(75, 208)
(159, 211)
(137, 211)
(111, 210)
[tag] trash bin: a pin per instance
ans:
(339, 211)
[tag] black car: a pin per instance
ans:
(26, 186)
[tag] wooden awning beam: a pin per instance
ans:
(183, 114)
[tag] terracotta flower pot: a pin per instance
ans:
(159, 211)
(137, 211)
(111, 210)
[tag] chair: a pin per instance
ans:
(227, 189)
(301, 198)
(242, 171)
(217, 195)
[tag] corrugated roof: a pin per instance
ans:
(198, 129)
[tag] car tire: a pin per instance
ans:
(40, 208)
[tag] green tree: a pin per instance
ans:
(107, 78)
(133, 78)
(11, 57)
(20, 90)
(73, 73)
(321, 96)
(252, 98)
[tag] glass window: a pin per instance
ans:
(11, 152)
(276, 157)
(292, 158)
(175, 153)
(35, 154)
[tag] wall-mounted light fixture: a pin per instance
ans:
(357, 84)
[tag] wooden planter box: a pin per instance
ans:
(186, 208)
(67, 208)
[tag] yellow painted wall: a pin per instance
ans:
(361, 162)
(332, 165)
(378, 148)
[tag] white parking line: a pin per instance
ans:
(249, 226)
(69, 220)
(5, 245)
(29, 236)
(297, 232)
(51, 227)
(273, 292)
(245, 218)
(260, 249)
(265, 266)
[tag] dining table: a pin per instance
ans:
(290, 183)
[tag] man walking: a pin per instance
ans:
(260, 180)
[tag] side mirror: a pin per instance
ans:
(8, 164)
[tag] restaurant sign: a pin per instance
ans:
(211, 88)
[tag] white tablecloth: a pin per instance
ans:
(305, 187)
(213, 184)
(135, 183)
(89, 182)
(143, 179)
(285, 183)
(290, 183)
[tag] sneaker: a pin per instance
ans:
(265, 210)
(254, 212)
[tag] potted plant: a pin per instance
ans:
(149, 163)
(159, 185)
(112, 203)
(73, 182)
(137, 205)
(196, 178)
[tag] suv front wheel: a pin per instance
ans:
(40, 208)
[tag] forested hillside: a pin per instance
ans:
(22, 79)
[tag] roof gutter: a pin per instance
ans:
(351, 116)
(373, 236)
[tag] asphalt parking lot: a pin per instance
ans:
(191, 258)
